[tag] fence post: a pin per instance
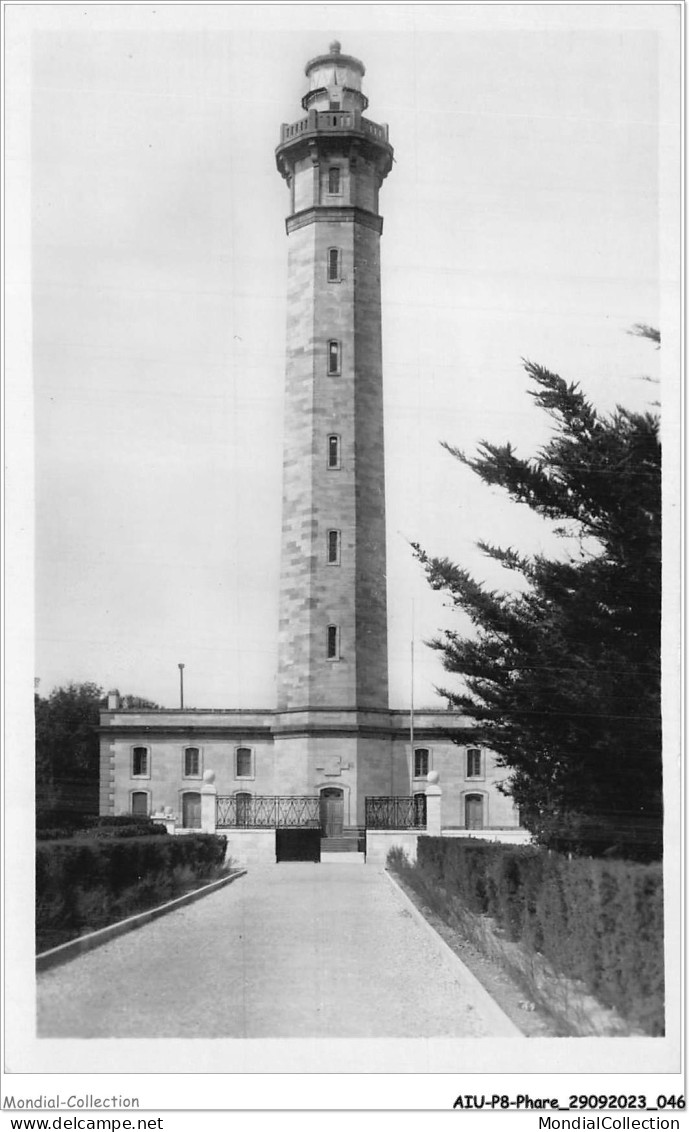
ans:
(209, 797)
(434, 796)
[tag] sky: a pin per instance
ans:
(529, 214)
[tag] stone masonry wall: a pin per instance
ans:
(348, 498)
(371, 579)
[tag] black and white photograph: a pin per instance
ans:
(343, 560)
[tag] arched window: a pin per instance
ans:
(333, 451)
(333, 551)
(473, 811)
(333, 642)
(192, 762)
(139, 803)
(334, 358)
(420, 811)
(334, 179)
(191, 810)
(243, 802)
(333, 265)
(140, 766)
(421, 762)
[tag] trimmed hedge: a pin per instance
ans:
(108, 825)
(117, 821)
(131, 829)
(67, 820)
(86, 883)
(598, 921)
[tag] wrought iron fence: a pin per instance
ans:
(267, 811)
(396, 812)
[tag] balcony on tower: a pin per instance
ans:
(329, 121)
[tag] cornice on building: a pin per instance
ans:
(329, 214)
(318, 722)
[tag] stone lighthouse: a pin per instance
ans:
(331, 741)
(333, 623)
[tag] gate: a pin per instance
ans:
(295, 819)
(300, 844)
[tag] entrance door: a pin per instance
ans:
(191, 811)
(140, 803)
(332, 811)
(473, 811)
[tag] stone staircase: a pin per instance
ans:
(350, 841)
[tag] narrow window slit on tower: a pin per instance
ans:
(333, 548)
(333, 451)
(333, 265)
(333, 642)
(333, 357)
(334, 175)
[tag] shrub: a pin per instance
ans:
(56, 834)
(121, 825)
(84, 883)
(595, 920)
(118, 820)
(104, 832)
(66, 820)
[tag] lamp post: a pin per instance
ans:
(181, 686)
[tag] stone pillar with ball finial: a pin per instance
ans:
(434, 797)
(209, 796)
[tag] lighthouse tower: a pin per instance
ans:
(333, 618)
(332, 736)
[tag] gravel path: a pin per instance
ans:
(294, 950)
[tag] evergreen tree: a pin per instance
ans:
(67, 747)
(563, 679)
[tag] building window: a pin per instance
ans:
(474, 762)
(191, 811)
(192, 762)
(333, 642)
(333, 451)
(333, 265)
(243, 803)
(473, 811)
(334, 179)
(420, 762)
(333, 548)
(334, 360)
(420, 811)
(140, 767)
(140, 803)
(244, 762)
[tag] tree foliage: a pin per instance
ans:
(67, 746)
(563, 679)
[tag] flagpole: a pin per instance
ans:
(411, 713)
